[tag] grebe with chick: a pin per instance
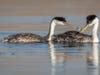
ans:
(30, 37)
(75, 36)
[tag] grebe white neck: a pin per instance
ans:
(51, 30)
(95, 30)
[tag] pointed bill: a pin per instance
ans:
(84, 28)
(73, 26)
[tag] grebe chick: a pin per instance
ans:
(30, 37)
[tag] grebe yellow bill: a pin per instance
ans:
(84, 28)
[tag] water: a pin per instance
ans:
(48, 58)
(34, 16)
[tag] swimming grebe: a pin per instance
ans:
(75, 36)
(30, 37)
(92, 20)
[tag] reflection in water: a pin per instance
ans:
(57, 61)
(93, 57)
(93, 60)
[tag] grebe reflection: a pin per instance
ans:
(93, 57)
(62, 61)
(57, 60)
(93, 60)
(56, 57)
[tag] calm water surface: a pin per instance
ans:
(48, 58)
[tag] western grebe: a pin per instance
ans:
(92, 20)
(75, 36)
(30, 37)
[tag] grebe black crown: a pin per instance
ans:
(90, 18)
(59, 19)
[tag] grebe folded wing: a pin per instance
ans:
(72, 36)
(23, 38)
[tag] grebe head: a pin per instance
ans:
(91, 21)
(59, 20)
(55, 21)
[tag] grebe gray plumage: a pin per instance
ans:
(75, 36)
(30, 37)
